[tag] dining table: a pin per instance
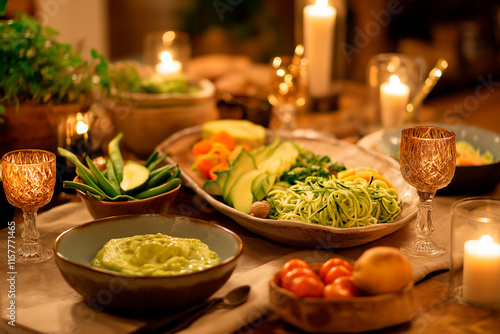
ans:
(46, 303)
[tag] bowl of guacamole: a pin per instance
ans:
(147, 262)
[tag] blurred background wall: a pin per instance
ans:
(466, 32)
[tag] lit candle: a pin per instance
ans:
(481, 277)
(394, 97)
(168, 66)
(81, 126)
(319, 20)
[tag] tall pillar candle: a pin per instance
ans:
(481, 275)
(319, 21)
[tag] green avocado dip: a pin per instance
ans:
(155, 255)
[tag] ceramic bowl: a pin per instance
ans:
(351, 315)
(467, 179)
(159, 204)
(147, 119)
(75, 249)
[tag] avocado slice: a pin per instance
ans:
(241, 193)
(242, 164)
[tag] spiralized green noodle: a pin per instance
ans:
(337, 203)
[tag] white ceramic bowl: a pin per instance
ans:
(76, 248)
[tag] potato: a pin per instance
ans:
(382, 270)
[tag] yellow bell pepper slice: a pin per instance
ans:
(364, 173)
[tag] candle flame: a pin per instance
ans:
(81, 127)
(394, 80)
(322, 3)
(166, 57)
(486, 239)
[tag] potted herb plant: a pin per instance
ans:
(41, 80)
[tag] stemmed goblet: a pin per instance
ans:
(427, 161)
(29, 177)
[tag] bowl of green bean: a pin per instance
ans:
(159, 204)
(121, 187)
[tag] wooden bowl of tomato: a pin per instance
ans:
(329, 302)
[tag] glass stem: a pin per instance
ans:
(424, 226)
(30, 233)
(287, 112)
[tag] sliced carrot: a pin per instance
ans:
(205, 162)
(224, 138)
(221, 151)
(469, 160)
(217, 168)
(202, 147)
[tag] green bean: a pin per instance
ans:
(176, 174)
(172, 184)
(155, 172)
(82, 187)
(121, 198)
(96, 193)
(116, 156)
(108, 188)
(155, 163)
(111, 176)
(151, 158)
(74, 159)
(160, 177)
(87, 180)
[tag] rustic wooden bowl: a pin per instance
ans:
(353, 315)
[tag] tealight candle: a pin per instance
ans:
(481, 273)
(168, 66)
(394, 96)
(319, 20)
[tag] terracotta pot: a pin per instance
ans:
(33, 126)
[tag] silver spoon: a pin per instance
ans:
(182, 320)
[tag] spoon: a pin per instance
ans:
(183, 319)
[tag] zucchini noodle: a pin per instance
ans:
(332, 202)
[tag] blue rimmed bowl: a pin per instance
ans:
(103, 289)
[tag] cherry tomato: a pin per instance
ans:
(342, 287)
(291, 275)
(292, 264)
(329, 264)
(307, 286)
(336, 272)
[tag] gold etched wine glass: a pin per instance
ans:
(427, 161)
(284, 94)
(29, 177)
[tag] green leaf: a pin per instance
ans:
(3, 3)
(35, 66)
